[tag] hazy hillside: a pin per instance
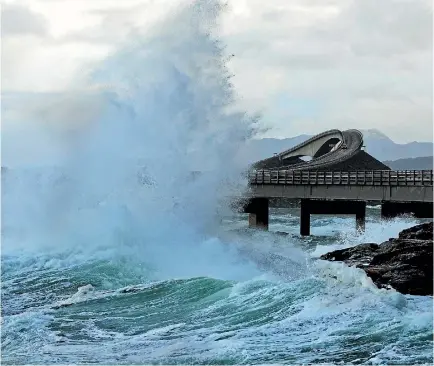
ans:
(422, 163)
(377, 144)
(383, 148)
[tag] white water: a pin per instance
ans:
(84, 231)
(166, 115)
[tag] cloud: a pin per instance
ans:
(114, 23)
(367, 63)
(358, 64)
(76, 35)
(20, 20)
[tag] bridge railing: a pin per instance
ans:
(364, 177)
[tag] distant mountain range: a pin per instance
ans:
(422, 163)
(377, 144)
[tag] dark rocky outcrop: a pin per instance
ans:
(404, 263)
(423, 232)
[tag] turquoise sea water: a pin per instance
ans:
(119, 255)
(246, 298)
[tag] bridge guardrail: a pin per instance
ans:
(363, 177)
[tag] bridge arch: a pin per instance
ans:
(316, 148)
(328, 146)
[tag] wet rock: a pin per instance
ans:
(404, 263)
(422, 231)
(362, 253)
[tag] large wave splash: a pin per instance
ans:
(127, 183)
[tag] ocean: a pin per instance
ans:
(114, 253)
(245, 298)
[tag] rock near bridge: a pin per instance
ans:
(404, 263)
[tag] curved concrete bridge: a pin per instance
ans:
(330, 150)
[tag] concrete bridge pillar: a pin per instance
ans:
(361, 219)
(330, 207)
(305, 211)
(258, 209)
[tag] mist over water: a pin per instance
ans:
(128, 171)
(114, 252)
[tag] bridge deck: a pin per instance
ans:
(384, 186)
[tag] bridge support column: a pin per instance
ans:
(418, 209)
(361, 218)
(258, 213)
(305, 217)
(328, 207)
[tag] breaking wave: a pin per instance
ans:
(118, 253)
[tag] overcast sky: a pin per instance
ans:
(305, 65)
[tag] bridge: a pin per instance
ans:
(339, 179)
(330, 150)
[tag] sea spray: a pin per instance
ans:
(127, 184)
(110, 256)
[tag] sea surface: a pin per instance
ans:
(115, 252)
(245, 297)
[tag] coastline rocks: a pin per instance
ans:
(404, 263)
(423, 232)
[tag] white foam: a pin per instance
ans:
(375, 207)
(83, 293)
(167, 111)
(166, 115)
(377, 231)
